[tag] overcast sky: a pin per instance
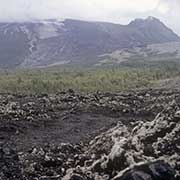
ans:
(117, 11)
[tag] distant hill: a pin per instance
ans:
(152, 55)
(52, 42)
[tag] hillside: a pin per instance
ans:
(53, 42)
(151, 56)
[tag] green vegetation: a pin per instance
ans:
(56, 80)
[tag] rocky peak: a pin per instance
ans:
(149, 20)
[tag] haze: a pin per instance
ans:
(116, 11)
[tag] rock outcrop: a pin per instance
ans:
(148, 151)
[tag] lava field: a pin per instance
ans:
(131, 135)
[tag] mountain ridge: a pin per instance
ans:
(48, 42)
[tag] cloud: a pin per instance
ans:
(117, 11)
(163, 8)
(168, 12)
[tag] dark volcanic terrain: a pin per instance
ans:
(71, 117)
(71, 136)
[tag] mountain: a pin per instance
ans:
(53, 42)
(151, 55)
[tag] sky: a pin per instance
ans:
(116, 11)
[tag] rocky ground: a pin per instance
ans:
(100, 136)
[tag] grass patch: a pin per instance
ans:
(56, 80)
